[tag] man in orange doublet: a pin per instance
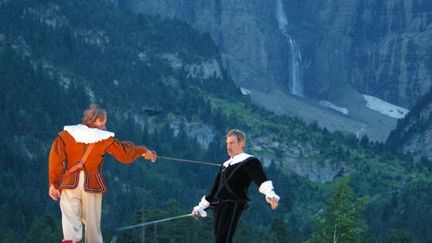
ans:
(80, 191)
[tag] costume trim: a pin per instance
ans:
(84, 134)
(236, 159)
(100, 182)
(266, 187)
(74, 184)
(204, 203)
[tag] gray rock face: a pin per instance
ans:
(381, 48)
(420, 145)
(253, 49)
(391, 51)
(298, 158)
(417, 131)
(338, 49)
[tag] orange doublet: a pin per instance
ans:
(66, 152)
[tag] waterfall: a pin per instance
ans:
(296, 78)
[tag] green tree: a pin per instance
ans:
(342, 220)
(44, 229)
(278, 231)
(8, 235)
(401, 236)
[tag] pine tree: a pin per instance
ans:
(342, 220)
(44, 229)
(278, 231)
(401, 236)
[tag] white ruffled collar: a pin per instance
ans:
(84, 134)
(236, 159)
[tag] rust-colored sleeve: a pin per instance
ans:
(125, 152)
(56, 162)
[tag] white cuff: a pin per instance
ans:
(266, 187)
(204, 203)
(201, 211)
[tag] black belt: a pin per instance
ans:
(218, 203)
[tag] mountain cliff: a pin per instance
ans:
(413, 134)
(330, 51)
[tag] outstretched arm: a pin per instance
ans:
(126, 152)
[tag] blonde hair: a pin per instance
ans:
(241, 137)
(92, 113)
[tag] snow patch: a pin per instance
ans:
(332, 106)
(50, 15)
(142, 56)
(204, 70)
(173, 60)
(245, 91)
(93, 37)
(90, 94)
(384, 107)
(64, 81)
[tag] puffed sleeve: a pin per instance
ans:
(125, 151)
(255, 171)
(56, 162)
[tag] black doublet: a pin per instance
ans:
(232, 182)
(229, 195)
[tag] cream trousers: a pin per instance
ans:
(80, 207)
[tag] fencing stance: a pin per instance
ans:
(78, 150)
(228, 196)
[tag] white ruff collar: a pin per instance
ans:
(236, 159)
(84, 134)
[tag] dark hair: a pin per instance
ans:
(238, 134)
(92, 113)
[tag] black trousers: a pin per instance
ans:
(226, 217)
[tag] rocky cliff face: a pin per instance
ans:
(318, 50)
(414, 133)
(420, 145)
(391, 51)
(252, 47)
(379, 48)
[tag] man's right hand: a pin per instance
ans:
(195, 214)
(198, 212)
(54, 193)
(150, 155)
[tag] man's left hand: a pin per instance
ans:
(54, 193)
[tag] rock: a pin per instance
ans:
(378, 48)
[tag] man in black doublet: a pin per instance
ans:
(228, 196)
